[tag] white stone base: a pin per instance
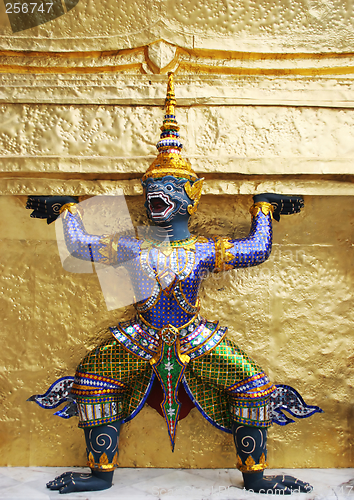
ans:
(27, 483)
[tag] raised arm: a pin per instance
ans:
(82, 245)
(256, 248)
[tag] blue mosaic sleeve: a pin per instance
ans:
(105, 249)
(246, 252)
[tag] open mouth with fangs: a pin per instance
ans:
(159, 205)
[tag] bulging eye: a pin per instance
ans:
(169, 187)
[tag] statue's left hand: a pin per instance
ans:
(48, 207)
(283, 205)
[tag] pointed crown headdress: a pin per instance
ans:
(169, 161)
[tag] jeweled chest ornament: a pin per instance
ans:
(169, 335)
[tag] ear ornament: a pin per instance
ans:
(194, 192)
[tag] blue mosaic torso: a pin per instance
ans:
(167, 279)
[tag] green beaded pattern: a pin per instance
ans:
(208, 379)
(112, 360)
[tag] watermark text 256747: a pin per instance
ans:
(345, 490)
(27, 14)
(28, 8)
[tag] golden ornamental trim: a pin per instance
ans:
(168, 247)
(72, 208)
(109, 248)
(104, 464)
(263, 207)
(197, 52)
(194, 192)
(222, 256)
(250, 465)
(141, 318)
(322, 66)
(18, 69)
(69, 207)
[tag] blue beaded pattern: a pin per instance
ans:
(190, 266)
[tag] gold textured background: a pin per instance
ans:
(275, 25)
(266, 103)
(294, 315)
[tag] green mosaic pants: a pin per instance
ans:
(225, 383)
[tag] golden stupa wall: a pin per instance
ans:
(266, 103)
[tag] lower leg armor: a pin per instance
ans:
(251, 448)
(102, 449)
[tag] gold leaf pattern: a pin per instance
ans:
(115, 459)
(239, 463)
(262, 206)
(109, 248)
(221, 255)
(91, 460)
(194, 192)
(104, 459)
(104, 463)
(72, 208)
(250, 464)
(262, 459)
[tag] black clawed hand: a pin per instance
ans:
(48, 207)
(283, 205)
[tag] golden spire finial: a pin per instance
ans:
(169, 160)
(170, 101)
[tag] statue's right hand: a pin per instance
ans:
(48, 207)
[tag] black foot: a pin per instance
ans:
(284, 485)
(76, 481)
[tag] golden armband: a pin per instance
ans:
(222, 254)
(262, 206)
(72, 208)
(69, 207)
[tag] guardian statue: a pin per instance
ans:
(168, 344)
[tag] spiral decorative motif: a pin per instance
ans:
(247, 442)
(102, 440)
(56, 208)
